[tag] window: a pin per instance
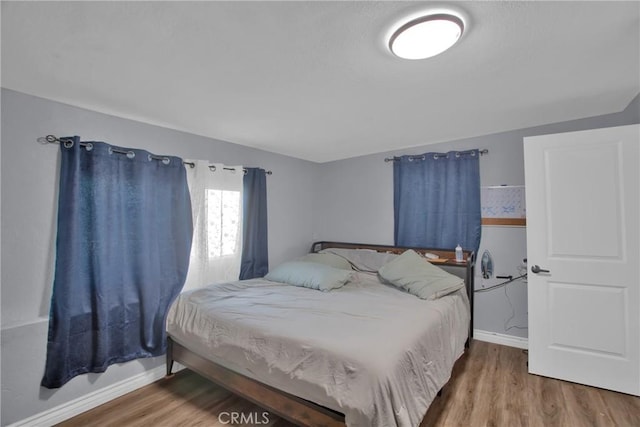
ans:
(223, 219)
(216, 206)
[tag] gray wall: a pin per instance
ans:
(29, 198)
(359, 191)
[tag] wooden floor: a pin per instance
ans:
(489, 387)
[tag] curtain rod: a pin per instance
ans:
(435, 155)
(52, 139)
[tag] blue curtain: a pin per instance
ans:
(255, 252)
(122, 252)
(436, 200)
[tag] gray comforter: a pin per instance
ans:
(374, 353)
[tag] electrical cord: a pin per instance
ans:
(523, 274)
(490, 288)
(513, 314)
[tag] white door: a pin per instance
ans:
(582, 191)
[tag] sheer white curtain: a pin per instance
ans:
(216, 203)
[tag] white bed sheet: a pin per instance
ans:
(370, 351)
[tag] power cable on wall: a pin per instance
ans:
(522, 270)
(490, 288)
(523, 274)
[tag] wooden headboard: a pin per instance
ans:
(465, 269)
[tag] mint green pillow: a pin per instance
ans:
(419, 277)
(309, 275)
(332, 260)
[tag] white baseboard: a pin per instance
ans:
(496, 338)
(89, 401)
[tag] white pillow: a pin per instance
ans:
(329, 259)
(419, 277)
(362, 259)
(309, 275)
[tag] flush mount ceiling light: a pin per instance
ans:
(426, 36)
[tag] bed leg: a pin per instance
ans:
(169, 360)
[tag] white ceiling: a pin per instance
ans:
(314, 80)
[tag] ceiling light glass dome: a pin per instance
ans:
(426, 36)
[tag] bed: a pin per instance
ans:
(364, 354)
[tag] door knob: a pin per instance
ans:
(536, 269)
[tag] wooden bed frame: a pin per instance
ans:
(292, 408)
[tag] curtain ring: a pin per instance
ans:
(68, 143)
(88, 146)
(457, 154)
(411, 158)
(473, 154)
(212, 168)
(164, 160)
(423, 157)
(436, 157)
(131, 154)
